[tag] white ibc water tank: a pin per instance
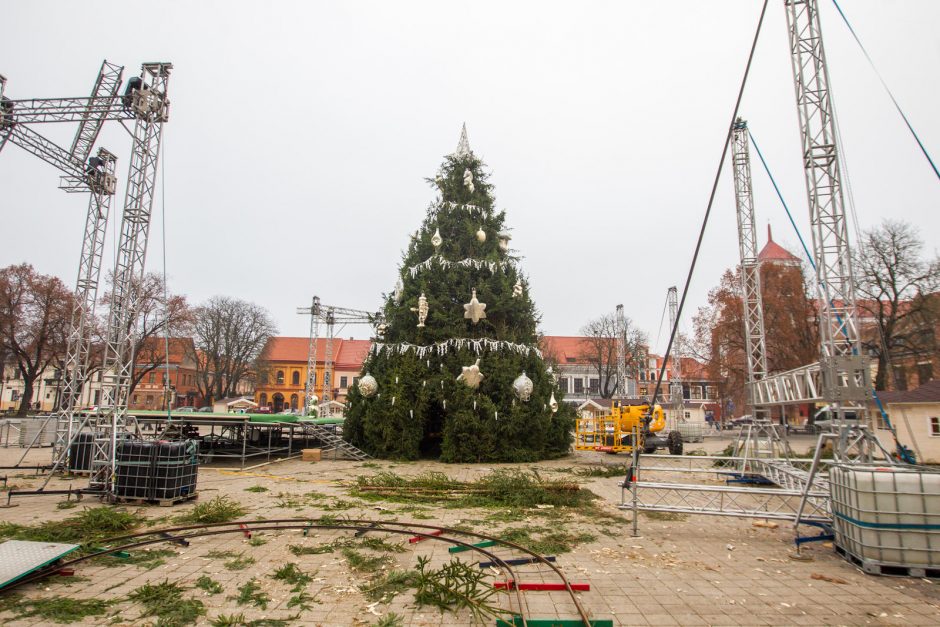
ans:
(887, 516)
(692, 431)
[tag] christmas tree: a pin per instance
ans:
(456, 373)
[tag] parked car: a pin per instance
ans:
(185, 410)
(740, 421)
(205, 410)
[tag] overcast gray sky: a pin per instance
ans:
(301, 134)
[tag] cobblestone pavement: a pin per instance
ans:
(681, 570)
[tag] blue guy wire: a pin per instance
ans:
(902, 451)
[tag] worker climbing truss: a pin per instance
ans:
(329, 316)
(145, 102)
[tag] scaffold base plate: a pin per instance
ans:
(19, 558)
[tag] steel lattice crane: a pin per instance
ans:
(621, 323)
(145, 102)
(676, 395)
(330, 316)
(755, 342)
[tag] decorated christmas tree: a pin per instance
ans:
(456, 372)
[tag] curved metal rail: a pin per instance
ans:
(169, 534)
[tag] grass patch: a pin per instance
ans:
(220, 555)
(299, 550)
(301, 600)
(209, 584)
(502, 488)
(165, 602)
(604, 470)
(219, 510)
(289, 573)
(250, 593)
(456, 586)
(256, 488)
(239, 620)
(665, 516)
(142, 559)
(91, 525)
(257, 540)
(57, 610)
(364, 563)
(241, 562)
(66, 505)
(390, 620)
(387, 586)
(545, 541)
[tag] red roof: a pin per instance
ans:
(566, 349)
(347, 354)
(154, 348)
(352, 354)
(927, 393)
(773, 251)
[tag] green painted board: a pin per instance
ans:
(479, 545)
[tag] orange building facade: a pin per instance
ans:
(280, 385)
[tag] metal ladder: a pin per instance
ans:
(335, 442)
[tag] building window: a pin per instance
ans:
(344, 382)
(900, 375)
(152, 378)
(934, 426)
(563, 384)
(644, 391)
(293, 401)
(688, 414)
(264, 379)
(135, 399)
(924, 373)
(280, 377)
(149, 399)
(697, 392)
(571, 360)
(263, 400)
(295, 379)
(579, 385)
(594, 386)
(710, 391)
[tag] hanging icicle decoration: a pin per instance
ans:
(411, 413)
(393, 400)
(477, 345)
(477, 264)
(496, 413)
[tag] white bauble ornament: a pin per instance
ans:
(504, 238)
(421, 309)
(471, 375)
(380, 329)
(474, 310)
(314, 399)
(553, 403)
(368, 386)
(481, 235)
(468, 179)
(522, 387)
(436, 239)
(517, 289)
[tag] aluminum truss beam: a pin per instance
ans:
(46, 110)
(676, 394)
(151, 107)
(776, 504)
(102, 99)
(621, 322)
(755, 344)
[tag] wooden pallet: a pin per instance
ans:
(160, 502)
(889, 570)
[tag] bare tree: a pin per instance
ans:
(895, 285)
(600, 349)
(229, 337)
(35, 313)
(160, 315)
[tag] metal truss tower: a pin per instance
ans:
(755, 343)
(149, 104)
(94, 175)
(330, 316)
(676, 395)
(621, 323)
(843, 369)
